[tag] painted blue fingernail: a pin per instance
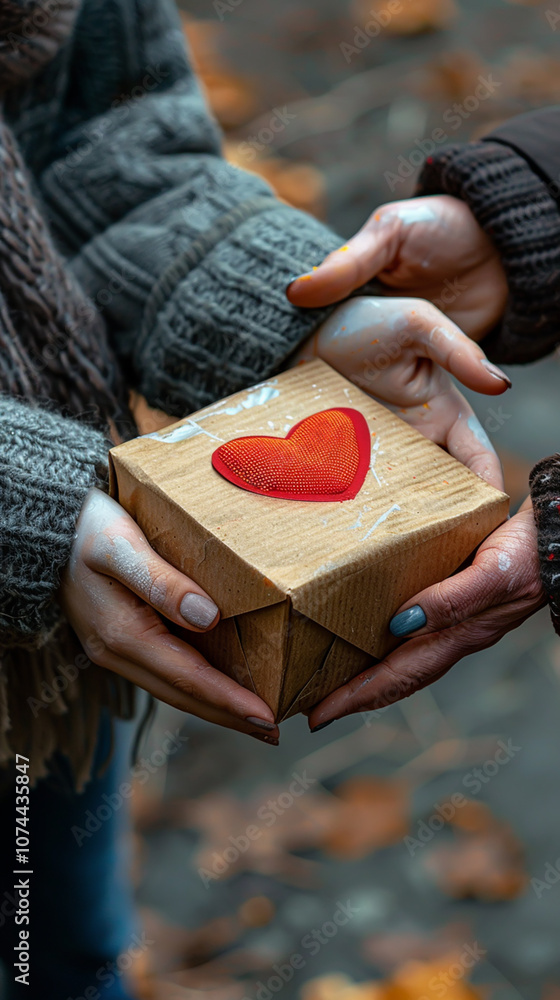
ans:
(407, 622)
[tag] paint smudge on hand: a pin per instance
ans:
(504, 561)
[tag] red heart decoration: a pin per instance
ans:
(323, 457)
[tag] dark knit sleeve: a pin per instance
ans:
(544, 482)
(515, 207)
(187, 256)
(47, 465)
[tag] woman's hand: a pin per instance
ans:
(466, 613)
(117, 592)
(396, 350)
(431, 248)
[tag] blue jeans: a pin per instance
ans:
(81, 909)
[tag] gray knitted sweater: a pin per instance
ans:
(185, 256)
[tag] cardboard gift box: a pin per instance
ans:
(306, 587)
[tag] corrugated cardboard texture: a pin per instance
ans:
(344, 566)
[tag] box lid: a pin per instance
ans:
(251, 551)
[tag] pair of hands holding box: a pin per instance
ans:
(400, 349)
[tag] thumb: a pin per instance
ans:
(115, 546)
(448, 603)
(373, 249)
(505, 570)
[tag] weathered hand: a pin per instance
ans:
(466, 613)
(431, 248)
(117, 593)
(397, 350)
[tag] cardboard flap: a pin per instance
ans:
(341, 663)
(223, 645)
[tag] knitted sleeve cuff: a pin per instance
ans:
(200, 308)
(544, 483)
(515, 208)
(47, 465)
(219, 320)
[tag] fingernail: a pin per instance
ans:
(198, 610)
(407, 621)
(322, 725)
(297, 277)
(496, 372)
(265, 739)
(260, 722)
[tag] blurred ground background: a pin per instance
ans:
(464, 910)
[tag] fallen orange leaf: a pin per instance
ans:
(413, 18)
(373, 813)
(484, 861)
(446, 977)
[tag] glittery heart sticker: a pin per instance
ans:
(323, 457)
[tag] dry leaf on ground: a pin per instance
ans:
(413, 18)
(389, 951)
(530, 75)
(257, 835)
(205, 960)
(484, 861)
(451, 76)
(445, 977)
(372, 813)
(233, 98)
(299, 184)
(257, 911)
(260, 834)
(339, 987)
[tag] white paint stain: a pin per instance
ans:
(188, 430)
(374, 456)
(440, 331)
(480, 434)
(397, 322)
(326, 568)
(120, 557)
(380, 520)
(256, 396)
(415, 213)
(357, 523)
